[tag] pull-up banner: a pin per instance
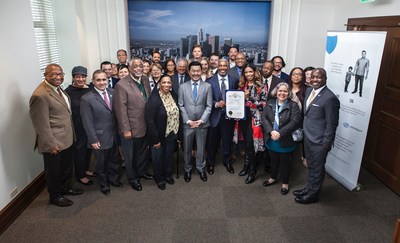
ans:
(352, 62)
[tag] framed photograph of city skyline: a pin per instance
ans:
(173, 27)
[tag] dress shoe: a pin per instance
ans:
(105, 190)
(170, 181)
(210, 169)
(187, 176)
(284, 191)
(203, 176)
(301, 192)
(61, 202)
(250, 178)
(229, 168)
(268, 183)
(147, 176)
(161, 185)
(307, 198)
(72, 192)
(243, 172)
(354, 91)
(136, 186)
(116, 183)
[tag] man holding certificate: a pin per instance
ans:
(221, 127)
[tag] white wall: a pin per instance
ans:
(19, 62)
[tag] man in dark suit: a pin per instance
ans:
(268, 79)
(181, 75)
(321, 117)
(236, 71)
(131, 94)
(50, 111)
(106, 67)
(221, 128)
(195, 101)
(100, 125)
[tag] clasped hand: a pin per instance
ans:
(275, 135)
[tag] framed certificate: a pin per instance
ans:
(235, 104)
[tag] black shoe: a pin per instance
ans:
(147, 177)
(73, 192)
(136, 186)
(210, 169)
(105, 190)
(307, 198)
(161, 185)
(301, 192)
(170, 181)
(187, 176)
(116, 183)
(203, 176)
(229, 168)
(355, 91)
(243, 172)
(250, 178)
(61, 202)
(267, 183)
(284, 191)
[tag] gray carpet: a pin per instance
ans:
(224, 209)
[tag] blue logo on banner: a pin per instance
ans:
(331, 42)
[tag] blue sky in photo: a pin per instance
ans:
(172, 20)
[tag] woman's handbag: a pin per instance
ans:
(298, 135)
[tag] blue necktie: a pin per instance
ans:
(194, 91)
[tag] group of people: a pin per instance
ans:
(154, 107)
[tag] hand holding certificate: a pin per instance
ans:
(235, 104)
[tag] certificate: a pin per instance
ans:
(234, 104)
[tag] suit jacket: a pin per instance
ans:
(156, 118)
(217, 96)
(321, 117)
(98, 119)
(234, 72)
(129, 106)
(195, 110)
(285, 77)
(51, 119)
(175, 81)
(274, 82)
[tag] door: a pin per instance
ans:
(382, 148)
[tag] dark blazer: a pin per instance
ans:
(234, 72)
(217, 96)
(130, 106)
(289, 121)
(274, 82)
(321, 117)
(285, 77)
(156, 118)
(51, 119)
(99, 120)
(175, 81)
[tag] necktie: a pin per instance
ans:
(106, 99)
(194, 91)
(109, 83)
(223, 88)
(180, 79)
(59, 92)
(311, 98)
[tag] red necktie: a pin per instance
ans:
(106, 99)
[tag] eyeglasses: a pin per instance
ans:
(54, 75)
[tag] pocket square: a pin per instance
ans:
(315, 105)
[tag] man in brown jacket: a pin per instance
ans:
(130, 97)
(50, 111)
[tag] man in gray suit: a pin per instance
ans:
(321, 117)
(195, 101)
(100, 125)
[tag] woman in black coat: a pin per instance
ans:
(162, 120)
(281, 116)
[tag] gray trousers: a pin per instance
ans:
(189, 134)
